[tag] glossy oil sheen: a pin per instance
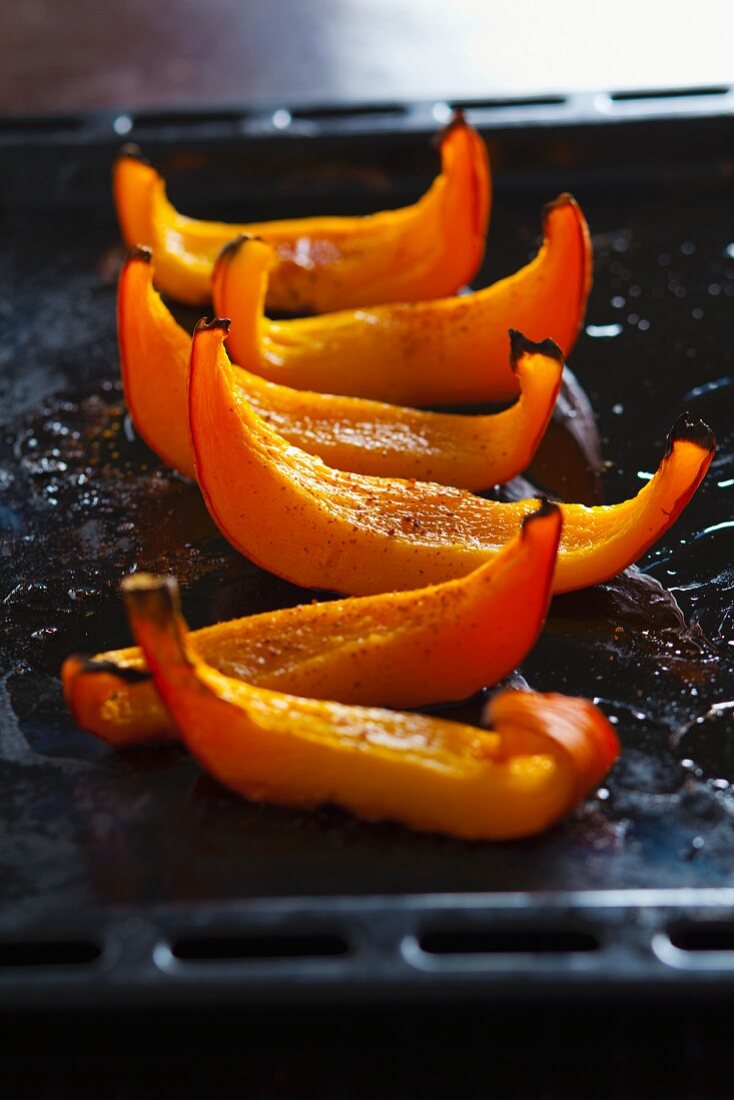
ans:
(84, 502)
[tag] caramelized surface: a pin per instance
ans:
(401, 649)
(367, 437)
(426, 250)
(449, 351)
(325, 528)
(425, 772)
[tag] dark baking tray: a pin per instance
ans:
(130, 878)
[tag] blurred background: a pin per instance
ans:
(67, 55)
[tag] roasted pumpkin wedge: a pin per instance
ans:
(444, 352)
(544, 754)
(402, 649)
(324, 528)
(422, 251)
(367, 437)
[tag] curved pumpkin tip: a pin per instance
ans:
(520, 345)
(545, 509)
(456, 122)
(564, 199)
(690, 430)
(229, 250)
(131, 151)
(139, 253)
(209, 324)
(155, 597)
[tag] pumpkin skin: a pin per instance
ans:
(366, 437)
(544, 753)
(399, 649)
(427, 250)
(323, 528)
(450, 351)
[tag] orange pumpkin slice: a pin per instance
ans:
(325, 528)
(426, 250)
(542, 756)
(403, 649)
(449, 351)
(367, 437)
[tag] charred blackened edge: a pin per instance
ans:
(545, 509)
(156, 598)
(514, 681)
(210, 324)
(231, 248)
(94, 666)
(131, 151)
(456, 122)
(520, 345)
(689, 430)
(564, 199)
(140, 252)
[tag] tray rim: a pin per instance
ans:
(601, 106)
(635, 958)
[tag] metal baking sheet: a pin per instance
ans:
(130, 876)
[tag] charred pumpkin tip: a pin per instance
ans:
(131, 151)
(564, 199)
(156, 597)
(690, 430)
(545, 508)
(456, 122)
(141, 253)
(520, 345)
(233, 246)
(209, 324)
